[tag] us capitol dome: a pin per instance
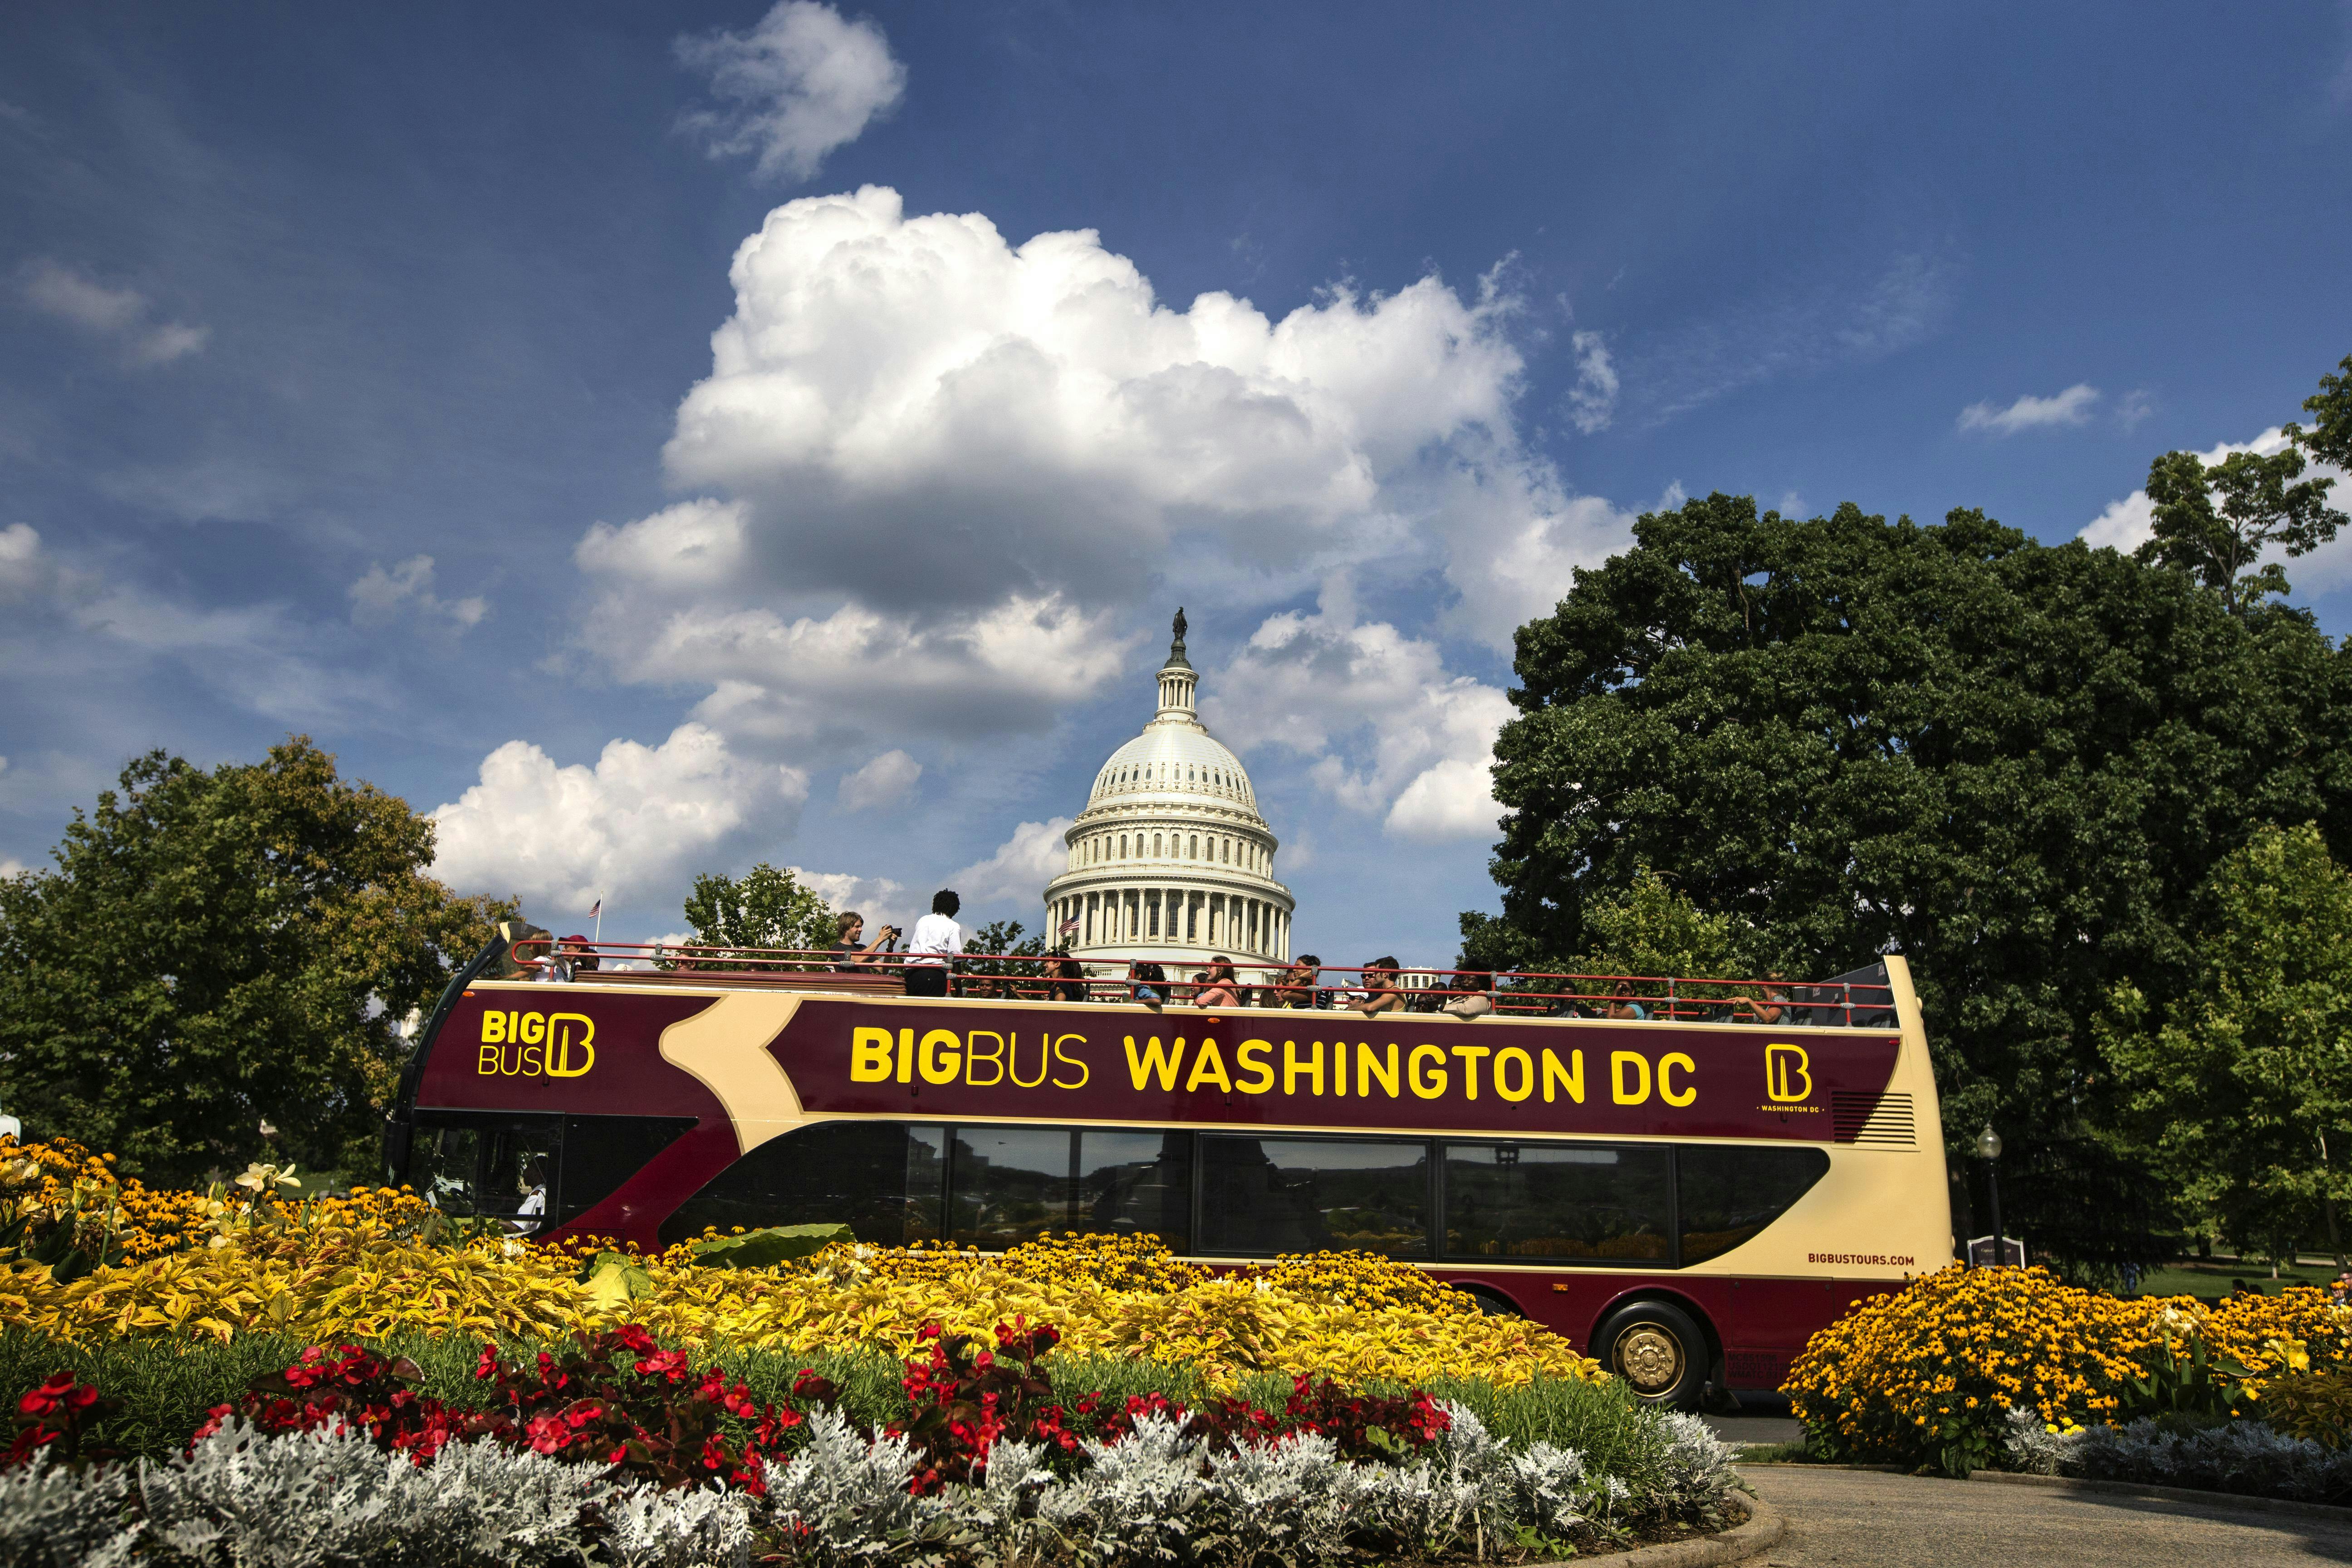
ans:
(1171, 860)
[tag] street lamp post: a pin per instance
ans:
(1989, 1150)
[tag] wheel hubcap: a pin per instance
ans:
(1650, 1358)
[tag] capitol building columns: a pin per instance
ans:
(1170, 860)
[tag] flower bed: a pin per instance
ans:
(1930, 1375)
(623, 1450)
(376, 1263)
(238, 1374)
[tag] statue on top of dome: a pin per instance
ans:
(1176, 659)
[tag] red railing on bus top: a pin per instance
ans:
(1772, 999)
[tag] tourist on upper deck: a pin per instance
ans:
(1069, 981)
(936, 941)
(518, 932)
(571, 955)
(1297, 987)
(847, 956)
(1148, 982)
(1623, 1004)
(1381, 993)
(1469, 999)
(1771, 1010)
(1217, 987)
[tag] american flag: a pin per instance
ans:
(1069, 928)
(595, 909)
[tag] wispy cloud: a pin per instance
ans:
(2134, 406)
(801, 83)
(2071, 407)
(124, 317)
(1853, 321)
(1593, 401)
(406, 593)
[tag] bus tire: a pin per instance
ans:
(1658, 1351)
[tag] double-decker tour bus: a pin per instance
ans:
(1686, 1197)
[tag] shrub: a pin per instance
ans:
(2246, 1457)
(2314, 1407)
(1927, 1376)
(62, 1205)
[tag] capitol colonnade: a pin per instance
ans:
(1171, 860)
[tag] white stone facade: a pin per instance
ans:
(1171, 860)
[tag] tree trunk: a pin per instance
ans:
(2328, 1203)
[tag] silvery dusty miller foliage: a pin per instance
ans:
(1158, 1496)
(313, 1500)
(2244, 1456)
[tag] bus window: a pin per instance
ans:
(880, 1178)
(444, 1167)
(1265, 1195)
(1012, 1184)
(1137, 1184)
(484, 1164)
(1556, 1200)
(600, 1152)
(1729, 1192)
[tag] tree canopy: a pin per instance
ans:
(1649, 927)
(2015, 764)
(2239, 1081)
(766, 907)
(2216, 521)
(217, 949)
(2329, 439)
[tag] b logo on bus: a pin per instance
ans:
(535, 1044)
(1788, 1075)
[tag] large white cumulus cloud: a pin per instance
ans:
(941, 467)
(642, 817)
(876, 356)
(1387, 730)
(1021, 866)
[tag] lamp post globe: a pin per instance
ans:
(1989, 1150)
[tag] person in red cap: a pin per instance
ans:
(573, 954)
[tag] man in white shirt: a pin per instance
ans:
(936, 941)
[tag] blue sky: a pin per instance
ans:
(357, 377)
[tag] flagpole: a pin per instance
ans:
(600, 920)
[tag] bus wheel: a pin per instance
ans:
(1654, 1347)
(1492, 1303)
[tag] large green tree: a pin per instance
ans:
(218, 950)
(2015, 764)
(2245, 1082)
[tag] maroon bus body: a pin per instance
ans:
(1720, 1070)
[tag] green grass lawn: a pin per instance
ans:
(2213, 1277)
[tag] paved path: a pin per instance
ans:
(1860, 1520)
(1756, 1428)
